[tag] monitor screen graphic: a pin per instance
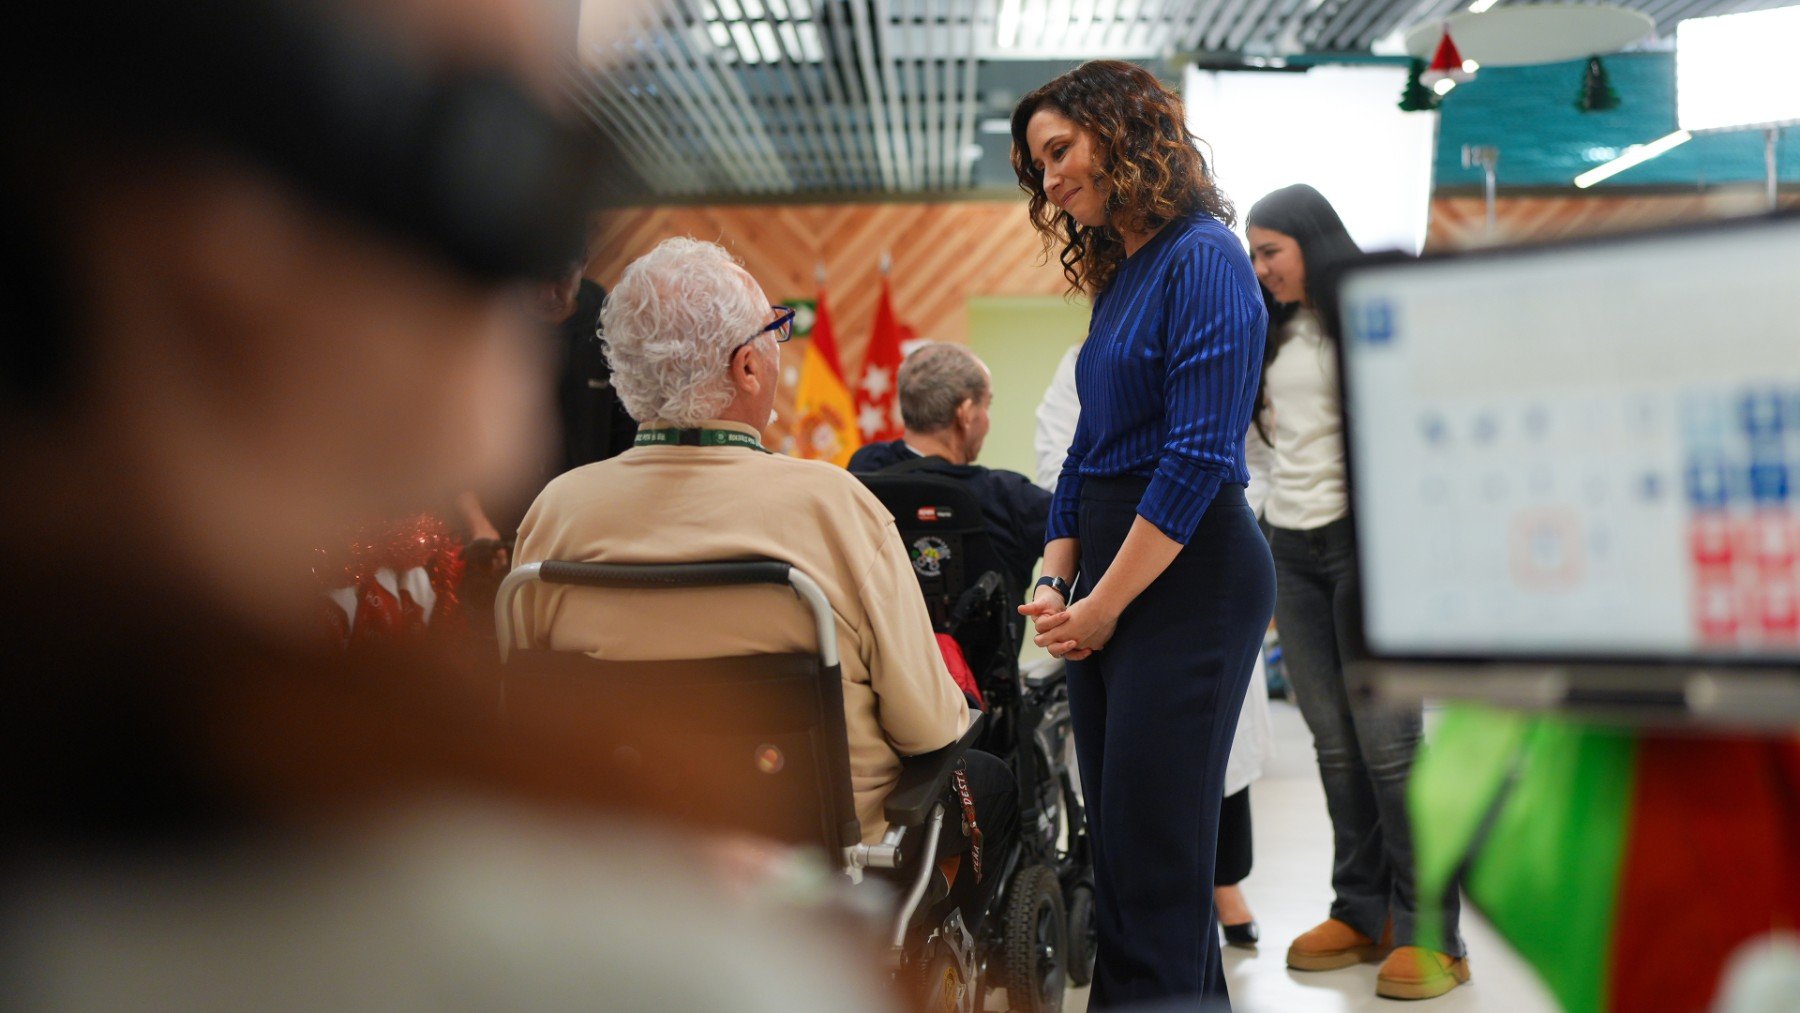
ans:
(1586, 452)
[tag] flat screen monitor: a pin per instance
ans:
(1582, 458)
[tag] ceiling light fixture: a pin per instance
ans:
(746, 43)
(1634, 155)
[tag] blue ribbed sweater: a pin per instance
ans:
(1167, 377)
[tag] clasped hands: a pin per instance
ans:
(1071, 632)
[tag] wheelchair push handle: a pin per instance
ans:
(754, 571)
(666, 576)
(970, 601)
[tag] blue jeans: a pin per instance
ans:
(1365, 751)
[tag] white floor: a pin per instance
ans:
(1290, 891)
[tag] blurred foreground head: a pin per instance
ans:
(267, 276)
(267, 279)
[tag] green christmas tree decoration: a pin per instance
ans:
(1597, 94)
(1417, 98)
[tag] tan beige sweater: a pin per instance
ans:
(673, 504)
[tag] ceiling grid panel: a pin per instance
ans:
(1312, 23)
(1330, 29)
(644, 145)
(981, 26)
(777, 98)
(848, 79)
(665, 51)
(1239, 29)
(804, 105)
(630, 82)
(1357, 31)
(1215, 19)
(1132, 32)
(879, 105)
(1403, 15)
(735, 102)
(923, 88)
(1201, 19)
(1264, 31)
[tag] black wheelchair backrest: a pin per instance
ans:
(946, 536)
(752, 743)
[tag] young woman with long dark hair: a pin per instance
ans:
(1365, 752)
(1149, 516)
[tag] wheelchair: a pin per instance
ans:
(969, 598)
(757, 743)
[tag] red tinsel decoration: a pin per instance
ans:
(420, 541)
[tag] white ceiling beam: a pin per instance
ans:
(875, 37)
(642, 148)
(1205, 19)
(657, 47)
(804, 106)
(876, 102)
(672, 139)
(856, 104)
(726, 93)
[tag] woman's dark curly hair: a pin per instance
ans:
(1147, 158)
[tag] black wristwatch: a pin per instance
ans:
(1057, 584)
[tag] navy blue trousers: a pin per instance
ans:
(1154, 712)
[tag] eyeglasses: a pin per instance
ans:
(782, 325)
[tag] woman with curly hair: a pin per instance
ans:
(1149, 516)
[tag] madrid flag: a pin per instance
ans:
(825, 427)
(877, 397)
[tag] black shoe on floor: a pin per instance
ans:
(1244, 936)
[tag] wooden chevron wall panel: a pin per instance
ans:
(943, 254)
(946, 253)
(1461, 222)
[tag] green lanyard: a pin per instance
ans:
(698, 438)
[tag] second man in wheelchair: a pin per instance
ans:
(694, 346)
(945, 393)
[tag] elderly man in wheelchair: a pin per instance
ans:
(718, 691)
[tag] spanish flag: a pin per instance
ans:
(825, 426)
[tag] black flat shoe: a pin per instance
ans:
(1243, 936)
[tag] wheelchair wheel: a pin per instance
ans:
(1084, 934)
(1036, 943)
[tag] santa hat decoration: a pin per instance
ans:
(1446, 64)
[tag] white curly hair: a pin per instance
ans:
(669, 327)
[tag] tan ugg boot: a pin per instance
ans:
(1330, 945)
(1414, 972)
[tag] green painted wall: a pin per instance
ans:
(1021, 338)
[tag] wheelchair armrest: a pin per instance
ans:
(923, 777)
(1045, 673)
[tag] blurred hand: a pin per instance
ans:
(486, 548)
(488, 554)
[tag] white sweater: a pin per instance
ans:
(1306, 488)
